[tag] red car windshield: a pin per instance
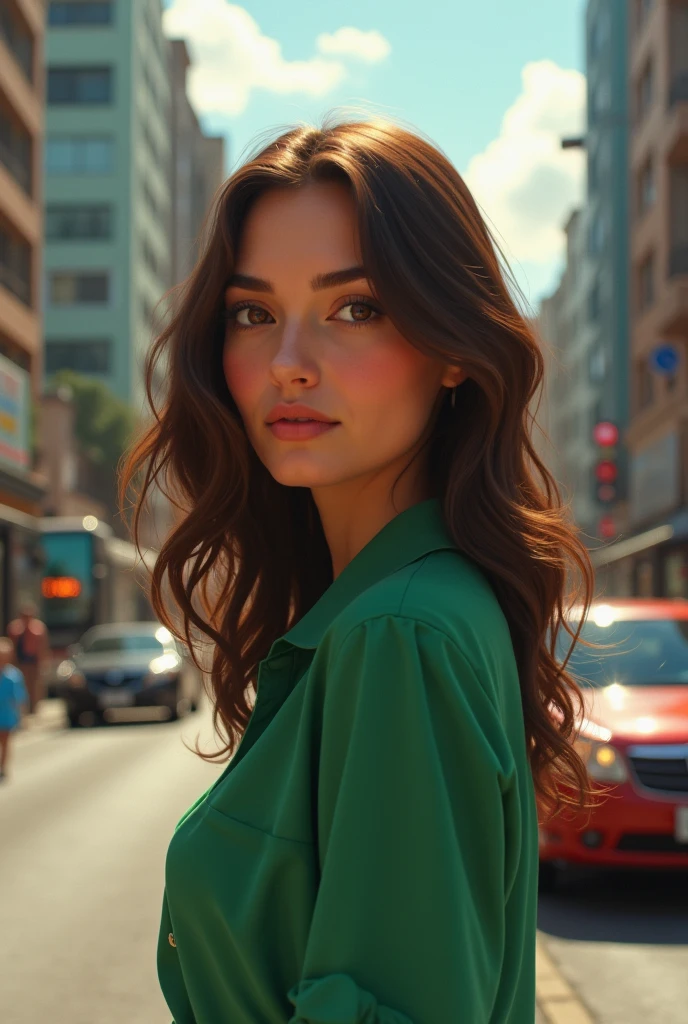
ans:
(647, 653)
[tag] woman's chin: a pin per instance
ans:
(304, 472)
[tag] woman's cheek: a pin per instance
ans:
(241, 375)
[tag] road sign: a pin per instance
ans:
(605, 434)
(606, 472)
(607, 527)
(664, 359)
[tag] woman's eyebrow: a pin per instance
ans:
(318, 283)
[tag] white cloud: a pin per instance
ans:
(370, 46)
(231, 56)
(524, 182)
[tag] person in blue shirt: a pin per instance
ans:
(13, 697)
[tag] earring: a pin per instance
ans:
(453, 397)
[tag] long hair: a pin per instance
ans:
(247, 556)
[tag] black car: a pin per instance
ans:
(128, 665)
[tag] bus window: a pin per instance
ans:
(67, 585)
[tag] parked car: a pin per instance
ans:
(634, 738)
(128, 664)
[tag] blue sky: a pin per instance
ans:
(453, 69)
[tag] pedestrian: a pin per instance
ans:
(369, 538)
(30, 638)
(13, 697)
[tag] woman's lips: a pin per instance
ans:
(299, 430)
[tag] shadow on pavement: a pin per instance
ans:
(646, 907)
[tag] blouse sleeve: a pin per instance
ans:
(408, 926)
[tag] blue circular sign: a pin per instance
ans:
(664, 359)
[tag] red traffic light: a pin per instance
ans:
(606, 492)
(606, 472)
(605, 434)
(607, 527)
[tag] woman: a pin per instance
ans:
(362, 537)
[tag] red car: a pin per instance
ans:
(634, 738)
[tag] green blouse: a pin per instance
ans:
(370, 854)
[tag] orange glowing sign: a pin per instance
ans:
(60, 586)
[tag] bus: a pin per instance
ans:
(90, 577)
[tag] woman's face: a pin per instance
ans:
(328, 390)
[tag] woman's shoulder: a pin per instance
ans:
(444, 592)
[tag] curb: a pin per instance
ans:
(556, 999)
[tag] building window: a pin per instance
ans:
(647, 192)
(89, 356)
(646, 385)
(78, 221)
(16, 151)
(15, 265)
(642, 10)
(599, 32)
(596, 234)
(645, 91)
(79, 12)
(18, 39)
(597, 365)
(68, 289)
(80, 86)
(646, 283)
(79, 155)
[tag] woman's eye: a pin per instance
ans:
(357, 313)
(250, 316)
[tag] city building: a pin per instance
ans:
(21, 231)
(653, 558)
(198, 169)
(607, 206)
(570, 399)
(107, 189)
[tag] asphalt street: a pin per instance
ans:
(84, 825)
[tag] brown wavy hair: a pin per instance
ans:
(247, 556)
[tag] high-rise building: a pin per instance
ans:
(21, 229)
(570, 398)
(653, 559)
(198, 169)
(108, 191)
(606, 142)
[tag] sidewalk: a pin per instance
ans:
(557, 1003)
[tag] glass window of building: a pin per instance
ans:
(645, 91)
(646, 186)
(80, 86)
(83, 355)
(80, 154)
(597, 233)
(82, 221)
(642, 10)
(15, 264)
(646, 283)
(68, 288)
(17, 38)
(645, 385)
(16, 150)
(80, 12)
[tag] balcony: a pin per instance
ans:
(674, 305)
(676, 137)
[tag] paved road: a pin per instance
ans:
(621, 941)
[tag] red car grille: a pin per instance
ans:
(651, 843)
(667, 774)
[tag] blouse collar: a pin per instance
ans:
(411, 535)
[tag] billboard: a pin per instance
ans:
(15, 397)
